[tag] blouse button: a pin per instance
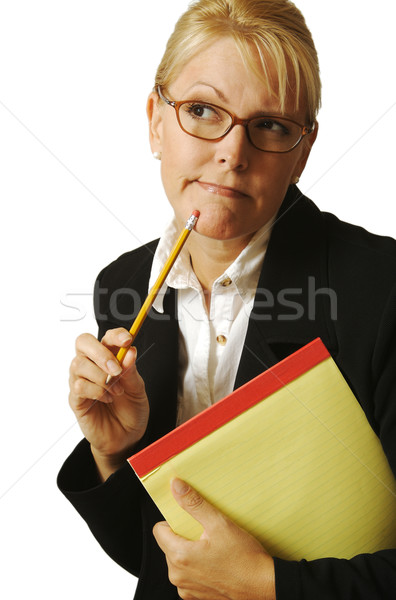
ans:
(222, 340)
(226, 282)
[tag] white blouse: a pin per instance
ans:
(210, 345)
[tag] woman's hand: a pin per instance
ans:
(226, 563)
(113, 417)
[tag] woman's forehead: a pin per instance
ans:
(221, 70)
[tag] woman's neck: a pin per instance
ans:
(210, 258)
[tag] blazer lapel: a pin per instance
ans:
(293, 301)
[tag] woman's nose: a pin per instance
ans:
(234, 148)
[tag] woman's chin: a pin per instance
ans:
(220, 220)
(221, 231)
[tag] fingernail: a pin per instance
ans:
(124, 338)
(132, 352)
(180, 487)
(113, 367)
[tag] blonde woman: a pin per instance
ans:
(232, 117)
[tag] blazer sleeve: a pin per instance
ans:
(110, 509)
(366, 576)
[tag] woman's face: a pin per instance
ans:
(236, 187)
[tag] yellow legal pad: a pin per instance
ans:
(290, 457)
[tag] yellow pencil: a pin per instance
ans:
(138, 322)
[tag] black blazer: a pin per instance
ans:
(321, 277)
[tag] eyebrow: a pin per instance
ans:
(215, 89)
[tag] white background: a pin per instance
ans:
(78, 187)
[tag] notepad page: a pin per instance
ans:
(302, 471)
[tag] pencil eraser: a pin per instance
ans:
(196, 213)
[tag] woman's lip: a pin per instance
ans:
(222, 190)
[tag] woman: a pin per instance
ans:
(233, 119)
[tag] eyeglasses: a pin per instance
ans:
(211, 122)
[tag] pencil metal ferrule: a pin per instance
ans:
(191, 222)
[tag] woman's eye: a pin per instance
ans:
(271, 125)
(202, 111)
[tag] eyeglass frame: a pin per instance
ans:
(236, 121)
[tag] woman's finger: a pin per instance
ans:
(82, 366)
(117, 338)
(87, 345)
(83, 391)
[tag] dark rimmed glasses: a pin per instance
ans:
(207, 121)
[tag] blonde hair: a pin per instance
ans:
(273, 30)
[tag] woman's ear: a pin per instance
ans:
(155, 122)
